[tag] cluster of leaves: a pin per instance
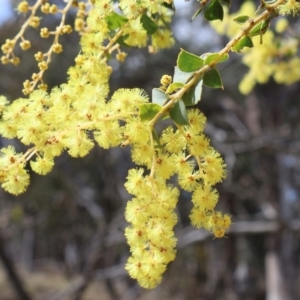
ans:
(68, 116)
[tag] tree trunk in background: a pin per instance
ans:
(288, 198)
(14, 278)
(274, 281)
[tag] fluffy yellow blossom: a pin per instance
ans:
(289, 7)
(16, 180)
(42, 165)
(136, 131)
(182, 163)
(173, 142)
(130, 8)
(109, 136)
(189, 180)
(198, 144)
(213, 167)
(164, 167)
(197, 120)
(128, 100)
(13, 177)
(205, 197)
(162, 38)
(142, 154)
(136, 34)
(136, 183)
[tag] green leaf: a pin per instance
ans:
(213, 56)
(193, 95)
(148, 24)
(245, 41)
(214, 11)
(213, 79)
(182, 77)
(260, 28)
(189, 62)
(148, 111)
(121, 40)
(256, 30)
(159, 96)
(241, 19)
(197, 13)
(115, 20)
(156, 137)
(108, 56)
(178, 113)
(173, 87)
(227, 2)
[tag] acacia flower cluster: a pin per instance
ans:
(64, 118)
(186, 153)
(78, 114)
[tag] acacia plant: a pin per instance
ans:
(76, 115)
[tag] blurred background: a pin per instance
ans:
(64, 237)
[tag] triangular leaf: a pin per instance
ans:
(241, 19)
(260, 28)
(180, 76)
(213, 56)
(159, 96)
(214, 11)
(178, 113)
(213, 79)
(255, 30)
(148, 24)
(121, 40)
(245, 41)
(115, 20)
(189, 62)
(173, 87)
(148, 111)
(193, 95)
